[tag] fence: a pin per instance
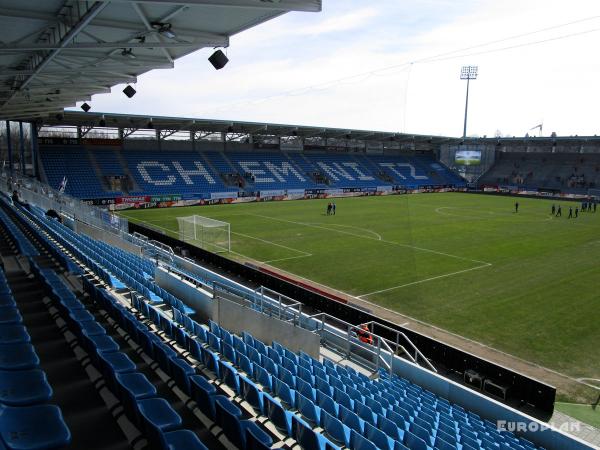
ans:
(34, 192)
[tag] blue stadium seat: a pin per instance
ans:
(183, 440)
(24, 387)
(33, 427)
(310, 412)
(204, 394)
(309, 439)
(158, 417)
(359, 442)
(6, 300)
(306, 389)
(14, 334)
(326, 403)
(252, 394)
(351, 420)
(412, 441)
(18, 357)
(10, 315)
(286, 394)
(281, 418)
(229, 375)
(378, 437)
(181, 372)
(390, 428)
(256, 438)
(131, 388)
(335, 429)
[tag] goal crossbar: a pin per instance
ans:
(204, 232)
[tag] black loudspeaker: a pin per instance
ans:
(218, 59)
(86, 107)
(129, 91)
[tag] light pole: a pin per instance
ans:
(467, 73)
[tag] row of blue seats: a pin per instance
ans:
(120, 274)
(23, 245)
(331, 391)
(26, 418)
(149, 412)
(242, 433)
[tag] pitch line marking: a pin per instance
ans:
(366, 230)
(424, 280)
(303, 253)
(375, 239)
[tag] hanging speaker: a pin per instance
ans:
(129, 91)
(86, 107)
(218, 59)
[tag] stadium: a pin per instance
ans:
(177, 282)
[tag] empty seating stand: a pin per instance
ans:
(251, 393)
(200, 174)
(28, 419)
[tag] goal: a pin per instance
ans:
(209, 234)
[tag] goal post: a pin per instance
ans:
(204, 232)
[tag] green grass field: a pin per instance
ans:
(524, 283)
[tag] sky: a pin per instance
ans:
(394, 65)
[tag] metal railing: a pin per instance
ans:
(418, 357)
(42, 195)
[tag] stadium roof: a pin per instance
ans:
(170, 125)
(56, 52)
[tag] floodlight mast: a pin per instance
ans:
(467, 73)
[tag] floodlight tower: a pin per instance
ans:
(467, 73)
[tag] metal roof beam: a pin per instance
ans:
(94, 10)
(146, 22)
(217, 41)
(103, 23)
(283, 5)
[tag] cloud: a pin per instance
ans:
(338, 23)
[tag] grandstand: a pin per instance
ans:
(191, 373)
(116, 335)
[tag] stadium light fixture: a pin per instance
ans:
(86, 107)
(467, 73)
(128, 53)
(218, 59)
(164, 29)
(129, 91)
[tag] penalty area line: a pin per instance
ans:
(414, 247)
(424, 280)
(303, 254)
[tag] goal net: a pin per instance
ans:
(209, 234)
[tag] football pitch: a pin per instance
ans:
(526, 283)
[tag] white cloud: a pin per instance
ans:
(344, 22)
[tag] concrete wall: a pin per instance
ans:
(109, 238)
(238, 318)
(200, 301)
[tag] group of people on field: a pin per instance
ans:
(573, 214)
(331, 209)
(586, 206)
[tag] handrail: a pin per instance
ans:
(418, 352)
